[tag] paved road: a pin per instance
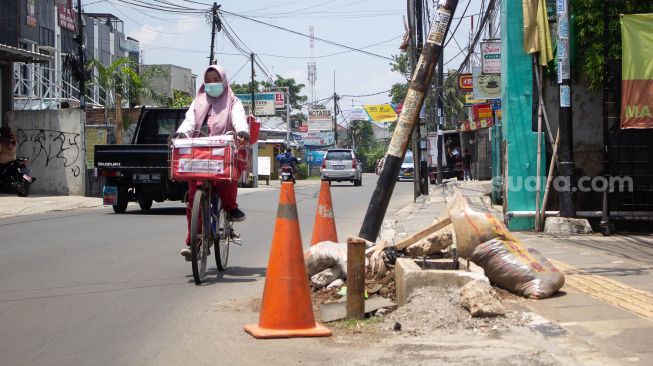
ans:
(94, 288)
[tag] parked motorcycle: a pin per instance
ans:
(16, 177)
(287, 174)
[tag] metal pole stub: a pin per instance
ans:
(355, 278)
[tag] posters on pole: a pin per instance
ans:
(637, 71)
(265, 103)
(486, 86)
(381, 112)
(491, 57)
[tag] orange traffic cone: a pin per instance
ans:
(286, 310)
(325, 223)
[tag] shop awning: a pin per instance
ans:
(13, 54)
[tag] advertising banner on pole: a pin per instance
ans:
(319, 119)
(486, 86)
(381, 112)
(318, 138)
(491, 57)
(637, 71)
(358, 114)
(265, 103)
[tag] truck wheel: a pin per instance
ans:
(121, 207)
(145, 202)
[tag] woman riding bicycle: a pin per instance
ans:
(216, 106)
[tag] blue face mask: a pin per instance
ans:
(214, 89)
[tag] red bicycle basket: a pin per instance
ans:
(211, 158)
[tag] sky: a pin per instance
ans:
(375, 25)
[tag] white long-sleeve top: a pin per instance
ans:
(238, 119)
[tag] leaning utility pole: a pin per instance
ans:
(253, 110)
(566, 166)
(440, 124)
(419, 86)
(416, 49)
(215, 23)
(80, 53)
(335, 112)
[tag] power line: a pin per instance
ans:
(480, 30)
(366, 95)
(307, 36)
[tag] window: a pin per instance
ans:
(338, 155)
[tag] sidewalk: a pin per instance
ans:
(12, 205)
(607, 298)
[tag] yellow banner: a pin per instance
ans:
(381, 112)
(637, 74)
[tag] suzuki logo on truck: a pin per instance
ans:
(108, 164)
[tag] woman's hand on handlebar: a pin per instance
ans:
(176, 135)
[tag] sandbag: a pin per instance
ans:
(473, 227)
(325, 255)
(522, 271)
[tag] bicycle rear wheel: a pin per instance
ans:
(222, 238)
(199, 236)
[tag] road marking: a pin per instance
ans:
(607, 290)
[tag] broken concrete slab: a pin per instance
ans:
(432, 244)
(410, 276)
(338, 310)
(567, 226)
(478, 297)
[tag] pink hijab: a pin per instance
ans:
(220, 108)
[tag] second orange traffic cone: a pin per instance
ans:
(286, 309)
(325, 223)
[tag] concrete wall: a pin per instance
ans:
(54, 143)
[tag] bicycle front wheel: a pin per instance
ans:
(222, 239)
(199, 236)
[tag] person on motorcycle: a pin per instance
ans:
(216, 106)
(7, 147)
(288, 159)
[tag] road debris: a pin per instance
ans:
(479, 299)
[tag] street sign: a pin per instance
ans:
(265, 103)
(491, 57)
(465, 83)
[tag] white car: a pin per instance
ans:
(341, 164)
(407, 170)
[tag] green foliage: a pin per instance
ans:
(179, 100)
(294, 90)
(302, 171)
(454, 102)
(360, 136)
(588, 23)
(401, 65)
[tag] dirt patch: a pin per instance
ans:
(437, 310)
(252, 304)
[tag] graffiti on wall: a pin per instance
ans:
(51, 148)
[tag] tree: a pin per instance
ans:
(587, 20)
(179, 100)
(453, 100)
(110, 78)
(120, 78)
(296, 100)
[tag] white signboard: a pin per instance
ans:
(319, 120)
(358, 114)
(491, 57)
(263, 165)
(318, 138)
(265, 103)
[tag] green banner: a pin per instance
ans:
(637, 71)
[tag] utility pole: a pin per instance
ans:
(440, 124)
(335, 111)
(253, 110)
(418, 87)
(215, 23)
(80, 53)
(416, 49)
(565, 196)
